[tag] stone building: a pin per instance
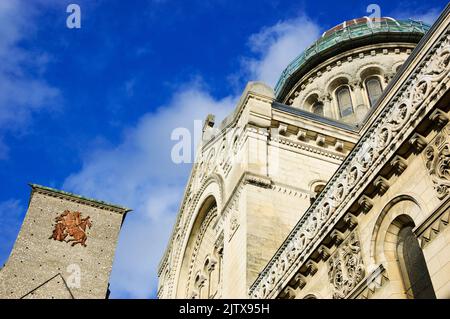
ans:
(333, 185)
(65, 248)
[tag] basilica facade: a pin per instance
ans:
(334, 184)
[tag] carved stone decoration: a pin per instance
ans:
(437, 161)
(351, 221)
(338, 193)
(288, 293)
(352, 176)
(365, 203)
(401, 114)
(439, 117)
(381, 184)
(73, 226)
(301, 135)
(311, 268)
(383, 137)
(299, 281)
(418, 142)
(337, 237)
(365, 159)
(282, 129)
(399, 164)
(346, 268)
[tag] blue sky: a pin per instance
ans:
(91, 110)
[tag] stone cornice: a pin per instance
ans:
(422, 86)
(309, 148)
(78, 199)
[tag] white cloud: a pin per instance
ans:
(428, 17)
(139, 173)
(22, 91)
(276, 46)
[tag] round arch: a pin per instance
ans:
(210, 194)
(394, 245)
(400, 205)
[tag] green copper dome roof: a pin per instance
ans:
(351, 33)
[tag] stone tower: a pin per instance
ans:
(65, 248)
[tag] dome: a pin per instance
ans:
(345, 36)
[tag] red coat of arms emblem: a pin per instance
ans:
(73, 226)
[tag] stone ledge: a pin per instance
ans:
(77, 198)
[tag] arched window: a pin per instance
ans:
(317, 108)
(200, 281)
(344, 100)
(413, 266)
(374, 90)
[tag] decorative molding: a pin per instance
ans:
(414, 98)
(189, 204)
(257, 180)
(320, 140)
(308, 147)
(434, 224)
(367, 287)
(234, 225)
(346, 267)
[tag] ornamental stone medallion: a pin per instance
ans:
(73, 226)
(346, 268)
